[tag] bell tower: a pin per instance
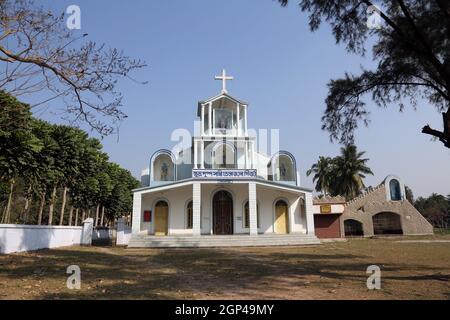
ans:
(223, 141)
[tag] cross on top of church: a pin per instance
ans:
(224, 79)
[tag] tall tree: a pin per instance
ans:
(323, 175)
(409, 194)
(436, 209)
(351, 170)
(17, 143)
(411, 46)
(40, 54)
(342, 175)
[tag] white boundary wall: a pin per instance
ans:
(20, 238)
(123, 233)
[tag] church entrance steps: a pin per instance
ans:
(208, 241)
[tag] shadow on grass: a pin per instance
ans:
(118, 273)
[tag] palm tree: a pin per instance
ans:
(322, 174)
(351, 169)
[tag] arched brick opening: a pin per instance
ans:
(386, 223)
(353, 228)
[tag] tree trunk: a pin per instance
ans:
(63, 207)
(70, 215)
(27, 205)
(103, 216)
(83, 216)
(52, 206)
(76, 217)
(8, 206)
(3, 215)
(96, 215)
(41, 208)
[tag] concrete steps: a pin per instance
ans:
(147, 241)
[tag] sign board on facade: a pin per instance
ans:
(224, 174)
(325, 208)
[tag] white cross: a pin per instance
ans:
(224, 79)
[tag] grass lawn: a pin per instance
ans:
(410, 270)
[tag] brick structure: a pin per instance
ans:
(328, 217)
(384, 210)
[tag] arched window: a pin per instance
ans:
(247, 215)
(224, 156)
(224, 116)
(189, 215)
(394, 186)
(163, 166)
(283, 168)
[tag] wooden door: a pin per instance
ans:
(161, 219)
(223, 213)
(327, 226)
(281, 218)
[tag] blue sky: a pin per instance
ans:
(280, 68)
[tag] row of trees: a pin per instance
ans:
(46, 167)
(436, 208)
(342, 175)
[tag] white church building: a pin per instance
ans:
(221, 190)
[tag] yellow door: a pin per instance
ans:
(281, 218)
(161, 220)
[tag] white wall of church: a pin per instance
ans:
(177, 199)
(267, 199)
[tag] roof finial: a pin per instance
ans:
(224, 79)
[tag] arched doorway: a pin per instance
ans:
(223, 213)
(387, 223)
(353, 228)
(161, 218)
(281, 217)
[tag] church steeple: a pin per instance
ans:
(223, 115)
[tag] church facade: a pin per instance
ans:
(221, 185)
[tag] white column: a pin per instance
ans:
(309, 214)
(195, 155)
(202, 155)
(86, 232)
(252, 155)
(247, 148)
(253, 207)
(210, 118)
(196, 205)
(137, 213)
(238, 120)
(245, 120)
(203, 120)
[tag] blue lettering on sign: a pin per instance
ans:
(224, 174)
